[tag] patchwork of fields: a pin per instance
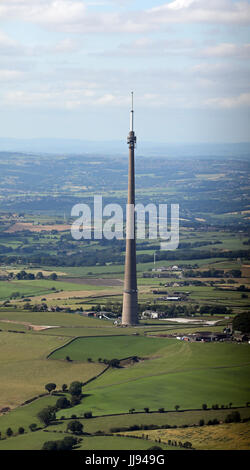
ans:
(61, 345)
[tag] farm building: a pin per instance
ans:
(150, 314)
(205, 336)
(160, 269)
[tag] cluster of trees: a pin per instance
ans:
(175, 310)
(9, 432)
(115, 363)
(23, 275)
(113, 253)
(218, 273)
(171, 310)
(64, 444)
(242, 322)
(75, 427)
(233, 417)
(48, 414)
(186, 445)
(185, 245)
(214, 310)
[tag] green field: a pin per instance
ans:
(168, 418)
(35, 441)
(24, 367)
(40, 287)
(176, 373)
(26, 414)
(118, 347)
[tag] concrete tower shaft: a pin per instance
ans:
(130, 302)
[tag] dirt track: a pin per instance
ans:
(29, 325)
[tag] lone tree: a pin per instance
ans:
(75, 388)
(76, 427)
(53, 276)
(115, 363)
(46, 415)
(9, 432)
(62, 403)
(39, 275)
(33, 427)
(50, 386)
(177, 407)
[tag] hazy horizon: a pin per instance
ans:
(144, 148)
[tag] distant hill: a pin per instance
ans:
(75, 146)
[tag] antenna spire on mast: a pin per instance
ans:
(132, 113)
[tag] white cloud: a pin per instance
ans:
(105, 99)
(75, 16)
(65, 46)
(64, 97)
(241, 51)
(230, 102)
(8, 46)
(202, 11)
(10, 75)
(11, 47)
(179, 4)
(43, 11)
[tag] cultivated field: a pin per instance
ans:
(221, 437)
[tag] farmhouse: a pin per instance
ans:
(160, 269)
(150, 314)
(175, 268)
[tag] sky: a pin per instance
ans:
(67, 68)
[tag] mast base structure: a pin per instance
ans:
(130, 294)
(130, 309)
